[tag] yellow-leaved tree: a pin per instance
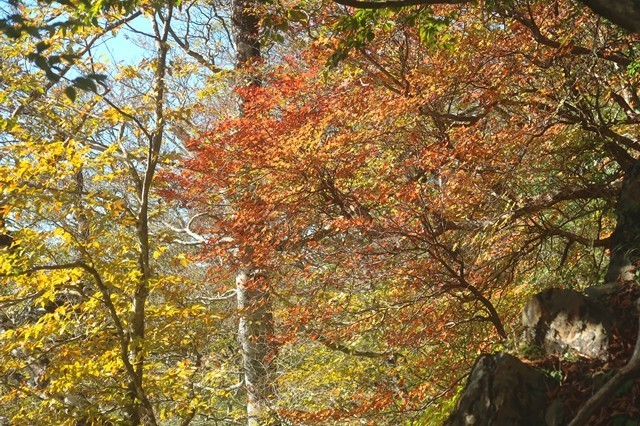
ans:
(102, 322)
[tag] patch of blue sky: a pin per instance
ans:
(127, 45)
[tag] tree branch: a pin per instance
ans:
(350, 351)
(548, 231)
(195, 55)
(623, 13)
(537, 204)
(11, 302)
(538, 36)
(394, 3)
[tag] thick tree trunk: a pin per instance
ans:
(625, 13)
(256, 321)
(254, 330)
(625, 240)
(245, 32)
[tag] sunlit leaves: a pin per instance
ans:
(409, 198)
(402, 203)
(71, 201)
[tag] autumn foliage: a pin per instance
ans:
(407, 200)
(400, 180)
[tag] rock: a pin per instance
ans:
(566, 321)
(556, 414)
(502, 390)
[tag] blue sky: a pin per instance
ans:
(125, 46)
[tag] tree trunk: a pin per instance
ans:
(256, 320)
(140, 410)
(245, 32)
(625, 13)
(254, 328)
(625, 240)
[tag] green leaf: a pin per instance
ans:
(68, 57)
(85, 84)
(32, 31)
(41, 62)
(625, 388)
(297, 15)
(42, 46)
(52, 76)
(70, 91)
(97, 77)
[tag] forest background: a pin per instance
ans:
(299, 212)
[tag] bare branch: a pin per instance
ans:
(539, 203)
(541, 38)
(353, 352)
(197, 56)
(225, 296)
(11, 302)
(197, 238)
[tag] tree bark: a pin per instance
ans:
(625, 240)
(140, 410)
(256, 320)
(254, 328)
(246, 26)
(625, 13)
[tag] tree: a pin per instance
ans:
(625, 14)
(361, 205)
(379, 220)
(100, 321)
(255, 326)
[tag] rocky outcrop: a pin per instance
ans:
(502, 390)
(601, 327)
(565, 321)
